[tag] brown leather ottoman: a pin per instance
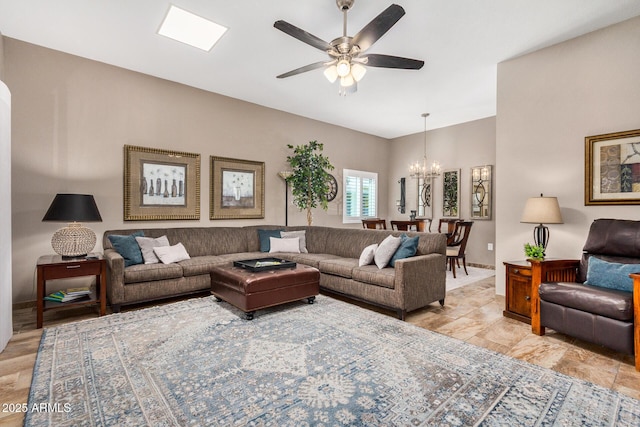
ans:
(251, 291)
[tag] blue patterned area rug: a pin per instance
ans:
(199, 363)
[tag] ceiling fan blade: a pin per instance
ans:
(388, 61)
(378, 27)
(302, 35)
(304, 69)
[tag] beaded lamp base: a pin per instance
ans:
(74, 240)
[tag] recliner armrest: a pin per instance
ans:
(553, 270)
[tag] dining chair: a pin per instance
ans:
(421, 225)
(457, 244)
(374, 223)
(451, 224)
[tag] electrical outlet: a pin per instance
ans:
(489, 246)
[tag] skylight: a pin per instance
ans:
(191, 29)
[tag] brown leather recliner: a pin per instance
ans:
(603, 316)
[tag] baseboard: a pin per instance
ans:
(24, 304)
(488, 267)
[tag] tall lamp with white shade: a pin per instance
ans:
(541, 210)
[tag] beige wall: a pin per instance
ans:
(461, 147)
(72, 116)
(548, 101)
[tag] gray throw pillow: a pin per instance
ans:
(299, 233)
(146, 246)
(386, 250)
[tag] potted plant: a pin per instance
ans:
(309, 178)
(534, 251)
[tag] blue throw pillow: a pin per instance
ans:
(263, 235)
(128, 247)
(611, 275)
(408, 248)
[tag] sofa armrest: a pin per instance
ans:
(421, 280)
(115, 276)
(543, 271)
(636, 318)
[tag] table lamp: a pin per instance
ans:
(74, 240)
(541, 210)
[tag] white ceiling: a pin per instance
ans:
(461, 42)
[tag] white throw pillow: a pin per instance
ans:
(367, 255)
(146, 246)
(169, 254)
(300, 234)
(291, 244)
(386, 250)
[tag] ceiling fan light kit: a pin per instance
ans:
(347, 54)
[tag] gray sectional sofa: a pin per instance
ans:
(413, 283)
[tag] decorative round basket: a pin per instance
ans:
(73, 240)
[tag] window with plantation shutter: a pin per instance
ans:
(360, 195)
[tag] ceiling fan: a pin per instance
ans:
(347, 54)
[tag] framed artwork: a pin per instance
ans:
(451, 193)
(481, 192)
(237, 189)
(160, 184)
(612, 169)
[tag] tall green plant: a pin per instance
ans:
(309, 179)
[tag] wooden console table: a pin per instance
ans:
(52, 267)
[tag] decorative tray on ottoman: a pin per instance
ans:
(264, 264)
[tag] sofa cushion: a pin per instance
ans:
(371, 274)
(151, 272)
(611, 275)
(408, 247)
(307, 259)
(591, 299)
(264, 236)
(289, 245)
(171, 254)
(242, 256)
(385, 251)
(338, 266)
(199, 241)
(128, 248)
(146, 247)
(300, 234)
(201, 264)
(367, 255)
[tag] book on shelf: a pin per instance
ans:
(71, 294)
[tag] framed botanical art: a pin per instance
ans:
(612, 169)
(160, 184)
(451, 193)
(237, 189)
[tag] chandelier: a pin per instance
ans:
(422, 169)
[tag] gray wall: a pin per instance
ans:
(548, 102)
(72, 117)
(461, 147)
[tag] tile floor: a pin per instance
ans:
(471, 313)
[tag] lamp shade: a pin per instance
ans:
(542, 210)
(73, 208)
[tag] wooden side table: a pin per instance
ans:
(54, 267)
(518, 291)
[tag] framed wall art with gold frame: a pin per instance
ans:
(612, 169)
(236, 189)
(160, 184)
